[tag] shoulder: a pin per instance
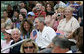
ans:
(74, 19)
(48, 28)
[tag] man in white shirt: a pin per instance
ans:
(45, 34)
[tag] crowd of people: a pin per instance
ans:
(47, 26)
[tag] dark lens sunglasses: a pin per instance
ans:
(30, 47)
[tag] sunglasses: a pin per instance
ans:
(30, 47)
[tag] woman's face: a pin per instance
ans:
(61, 13)
(16, 35)
(26, 26)
(48, 8)
(20, 17)
(68, 13)
(29, 48)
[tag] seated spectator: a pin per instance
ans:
(69, 24)
(31, 5)
(61, 45)
(7, 41)
(21, 18)
(33, 34)
(28, 46)
(49, 8)
(15, 18)
(26, 29)
(57, 17)
(39, 12)
(9, 11)
(7, 20)
(16, 38)
(30, 16)
(45, 34)
(23, 11)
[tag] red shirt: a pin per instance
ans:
(42, 13)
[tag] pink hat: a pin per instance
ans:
(8, 31)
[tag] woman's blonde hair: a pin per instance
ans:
(61, 9)
(70, 8)
(28, 41)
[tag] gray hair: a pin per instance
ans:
(15, 29)
(41, 19)
(62, 42)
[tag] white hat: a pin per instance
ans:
(31, 13)
(9, 31)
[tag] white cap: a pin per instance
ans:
(9, 31)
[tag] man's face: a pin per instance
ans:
(38, 24)
(16, 35)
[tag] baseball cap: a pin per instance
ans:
(31, 13)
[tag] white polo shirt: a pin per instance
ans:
(45, 37)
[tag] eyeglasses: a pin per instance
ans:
(30, 47)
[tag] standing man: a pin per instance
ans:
(45, 34)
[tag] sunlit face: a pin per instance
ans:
(20, 17)
(29, 48)
(38, 25)
(15, 35)
(68, 13)
(26, 26)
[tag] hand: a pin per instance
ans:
(54, 16)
